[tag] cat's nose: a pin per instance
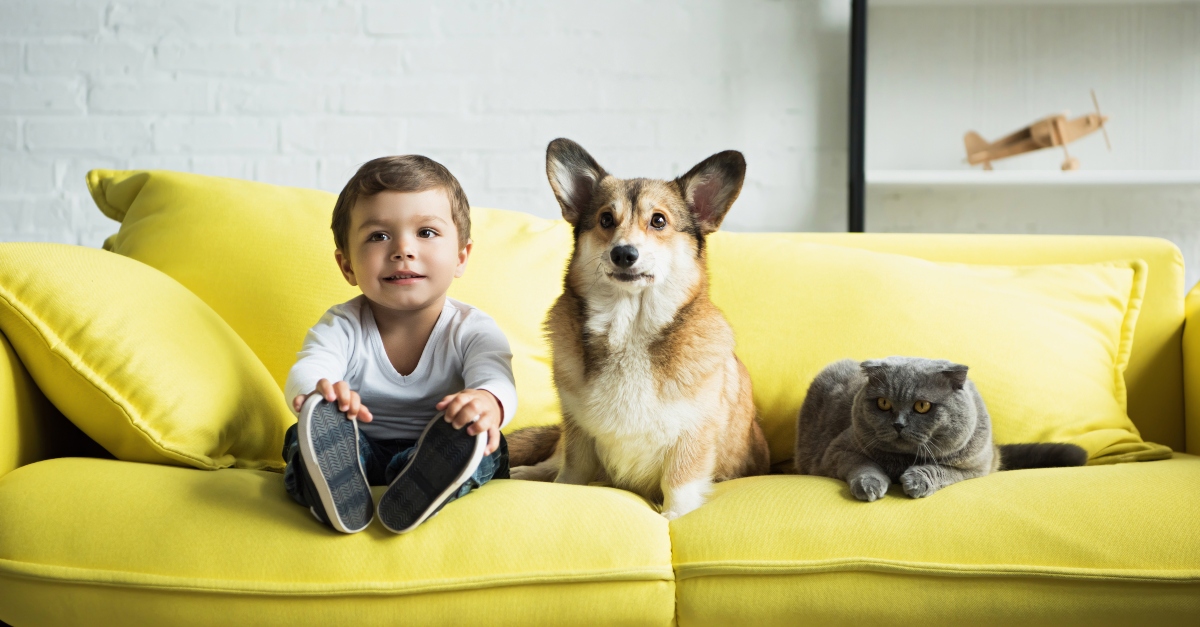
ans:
(899, 426)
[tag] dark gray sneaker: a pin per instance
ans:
(329, 446)
(445, 458)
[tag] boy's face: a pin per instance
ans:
(403, 249)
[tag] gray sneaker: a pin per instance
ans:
(329, 446)
(445, 458)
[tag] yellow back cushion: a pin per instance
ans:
(261, 255)
(1047, 346)
(137, 362)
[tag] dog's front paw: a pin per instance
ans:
(917, 483)
(679, 507)
(532, 473)
(869, 487)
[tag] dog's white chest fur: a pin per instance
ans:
(622, 407)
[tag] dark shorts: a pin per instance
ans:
(382, 460)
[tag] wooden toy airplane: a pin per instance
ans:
(1055, 130)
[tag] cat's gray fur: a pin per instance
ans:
(842, 432)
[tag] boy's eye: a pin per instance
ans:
(427, 233)
(606, 220)
(379, 237)
(658, 221)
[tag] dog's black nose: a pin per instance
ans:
(899, 426)
(624, 256)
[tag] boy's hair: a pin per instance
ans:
(401, 173)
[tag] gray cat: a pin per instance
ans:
(917, 421)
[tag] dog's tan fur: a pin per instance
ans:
(654, 399)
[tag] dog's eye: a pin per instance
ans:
(658, 221)
(606, 220)
(921, 406)
(883, 404)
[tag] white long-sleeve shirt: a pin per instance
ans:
(465, 350)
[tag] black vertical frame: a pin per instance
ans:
(858, 114)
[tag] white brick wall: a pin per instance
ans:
(301, 92)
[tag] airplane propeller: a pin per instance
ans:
(1102, 129)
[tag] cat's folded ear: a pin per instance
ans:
(956, 374)
(874, 369)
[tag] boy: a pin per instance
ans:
(385, 383)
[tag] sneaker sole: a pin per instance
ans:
(329, 446)
(417, 492)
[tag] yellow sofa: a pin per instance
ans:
(86, 539)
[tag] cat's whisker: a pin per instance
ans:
(927, 449)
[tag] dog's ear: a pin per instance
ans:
(710, 188)
(573, 175)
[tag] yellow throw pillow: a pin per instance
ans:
(136, 361)
(262, 257)
(1047, 345)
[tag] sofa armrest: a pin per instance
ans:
(1191, 371)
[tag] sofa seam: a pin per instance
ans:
(727, 568)
(289, 589)
(675, 577)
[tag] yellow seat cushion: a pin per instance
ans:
(99, 542)
(136, 361)
(1047, 345)
(262, 257)
(1107, 545)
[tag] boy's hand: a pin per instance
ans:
(477, 408)
(347, 399)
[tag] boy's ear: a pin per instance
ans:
(463, 256)
(573, 175)
(710, 188)
(343, 263)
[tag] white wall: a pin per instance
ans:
(937, 71)
(301, 92)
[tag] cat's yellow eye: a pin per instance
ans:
(883, 404)
(921, 406)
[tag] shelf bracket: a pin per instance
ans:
(858, 115)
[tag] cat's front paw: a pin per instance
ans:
(917, 483)
(869, 487)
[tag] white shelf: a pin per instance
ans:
(980, 178)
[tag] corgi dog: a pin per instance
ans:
(654, 400)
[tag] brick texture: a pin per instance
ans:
(300, 92)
